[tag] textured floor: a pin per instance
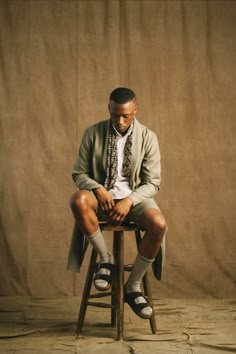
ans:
(184, 326)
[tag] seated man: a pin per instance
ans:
(118, 174)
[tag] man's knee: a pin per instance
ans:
(158, 224)
(155, 223)
(79, 201)
(161, 224)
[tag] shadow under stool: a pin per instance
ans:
(117, 289)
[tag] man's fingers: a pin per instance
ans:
(107, 205)
(119, 221)
(116, 218)
(102, 207)
(111, 204)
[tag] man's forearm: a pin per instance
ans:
(144, 191)
(84, 182)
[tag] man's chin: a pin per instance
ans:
(121, 130)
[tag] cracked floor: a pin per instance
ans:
(183, 326)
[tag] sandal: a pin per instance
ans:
(131, 298)
(106, 277)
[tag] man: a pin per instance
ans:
(118, 174)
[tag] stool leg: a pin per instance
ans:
(114, 285)
(86, 292)
(119, 258)
(148, 293)
(147, 289)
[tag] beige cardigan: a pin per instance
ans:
(90, 168)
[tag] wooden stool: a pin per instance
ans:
(117, 293)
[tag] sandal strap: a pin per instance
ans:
(105, 277)
(134, 295)
(141, 306)
(130, 299)
(101, 276)
(108, 266)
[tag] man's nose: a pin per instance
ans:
(121, 120)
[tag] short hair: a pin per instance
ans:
(122, 95)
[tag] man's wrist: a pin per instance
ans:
(95, 190)
(130, 200)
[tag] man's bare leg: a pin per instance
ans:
(83, 205)
(154, 223)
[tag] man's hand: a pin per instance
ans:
(119, 211)
(104, 199)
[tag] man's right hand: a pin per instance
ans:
(104, 199)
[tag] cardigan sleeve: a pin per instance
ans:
(82, 172)
(150, 172)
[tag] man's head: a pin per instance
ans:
(122, 107)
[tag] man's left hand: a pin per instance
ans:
(119, 211)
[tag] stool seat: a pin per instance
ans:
(125, 226)
(117, 290)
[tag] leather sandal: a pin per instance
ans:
(105, 277)
(137, 307)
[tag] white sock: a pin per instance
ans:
(133, 284)
(98, 242)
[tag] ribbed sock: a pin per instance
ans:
(133, 284)
(98, 242)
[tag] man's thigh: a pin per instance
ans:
(139, 209)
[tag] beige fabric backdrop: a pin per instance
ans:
(59, 61)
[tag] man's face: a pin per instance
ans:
(122, 115)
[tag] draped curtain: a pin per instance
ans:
(59, 61)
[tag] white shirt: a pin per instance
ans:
(121, 188)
